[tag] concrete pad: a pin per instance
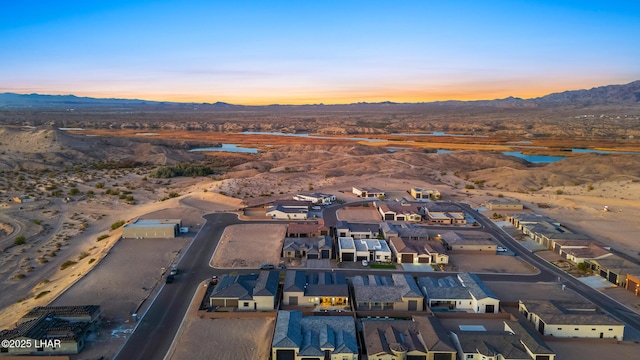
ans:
(417, 267)
(596, 282)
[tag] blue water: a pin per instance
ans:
(439, 133)
(227, 148)
(309, 136)
(535, 159)
(605, 152)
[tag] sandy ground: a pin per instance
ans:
(202, 338)
(249, 246)
(489, 263)
(515, 291)
(358, 214)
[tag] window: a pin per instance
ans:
(559, 328)
(576, 329)
(246, 304)
(469, 356)
(593, 329)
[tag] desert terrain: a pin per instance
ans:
(118, 169)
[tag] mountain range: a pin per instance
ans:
(627, 94)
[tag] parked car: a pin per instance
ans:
(170, 278)
(174, 270)
(365, 263)
(283, 266)
(214, 280)
(267, 267)
(502, 249)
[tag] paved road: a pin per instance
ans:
(156, 330)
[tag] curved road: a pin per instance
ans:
(156, 330)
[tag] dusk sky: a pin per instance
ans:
(292, 52)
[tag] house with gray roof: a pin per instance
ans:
(322, 291)
(57, 330)
(419, 338)
(516, 342)
(561, 318)
(404, 230)
(350, 249)
(464, 292)
(298, 337)
(617, 270)
(444, 213)
(395, 292)
(399, 211)
(357, 230)
(406, 251)
(467, 240)
(246, 291)
(310, 248)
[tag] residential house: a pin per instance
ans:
(246, 291)
(616, 270)
(323, 291)
(420, 338)
(298, 337)
(350, 249)
(633, 282)
(395, 292)
(289, 212)
(578, 251)
(399, 211)
(357, 230)
(464, 292)
(444, 213)
(52, 330)
(561, 318)
(316, 198)
(516, 342)
(404, 230)
(307, 247)
(467, 241)
(368, 192)
(307, 229)
(407, 251)
(424, 194)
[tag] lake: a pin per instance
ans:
(227, 148)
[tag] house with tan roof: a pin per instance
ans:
(467, 240)
(307, 229)
(366, 192)
(399, 211)
(421, 337)
(395, 292)
(407, 251)
(617, 270)
(421, 194)
(561, 318)
(579, 251)
(444, 213)
(405, 231)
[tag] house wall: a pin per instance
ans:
(473, 247)
(150, 232)
(264, 302)
(575, 330)
(505, 206)
(288, 294)
(633, 284)
(480, 305)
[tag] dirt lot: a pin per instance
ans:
(514, 291)
(489, 263)
(358, 214)
(249, 246)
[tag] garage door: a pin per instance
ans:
(406, 259)
(423, 260)
(418, 357)
(389, 217)
(347, 257)
(293, 300)
(285, 355)
(217, 302)
(232, 303)
(326, 254)
(413, 305)
(632, 285)
(312, 256)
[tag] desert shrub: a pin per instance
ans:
(469, 186)
(37, 222)
(83, 255)
(20, 240)
(66, 264)
(91, 260)
(192, 170)
(559, 192)
(117, 224)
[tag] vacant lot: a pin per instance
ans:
(249, 246)
(358, 214)
(489, 263)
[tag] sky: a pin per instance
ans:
(309, 52)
